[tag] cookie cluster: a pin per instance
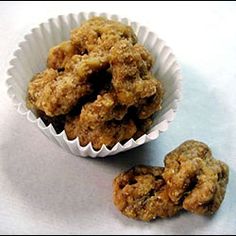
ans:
(192, 179)
(98, 85)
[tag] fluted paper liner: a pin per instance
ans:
(31, 57)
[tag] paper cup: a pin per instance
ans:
(31, 57)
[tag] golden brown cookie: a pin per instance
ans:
(59, 55)
(101, 122)
(100, 34)
(57, 93)
(195, 178)
(141, 193)
(131, 77)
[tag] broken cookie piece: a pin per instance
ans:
(195, 177)
(141, 193)
(192, 179)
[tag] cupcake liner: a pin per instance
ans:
(31, 57)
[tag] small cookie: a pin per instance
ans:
(141, 193)
(194, 177)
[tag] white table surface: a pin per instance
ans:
(44, 190)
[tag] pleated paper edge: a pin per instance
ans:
(73, 146)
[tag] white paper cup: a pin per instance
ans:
(31, 57)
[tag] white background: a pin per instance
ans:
(44, 190)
